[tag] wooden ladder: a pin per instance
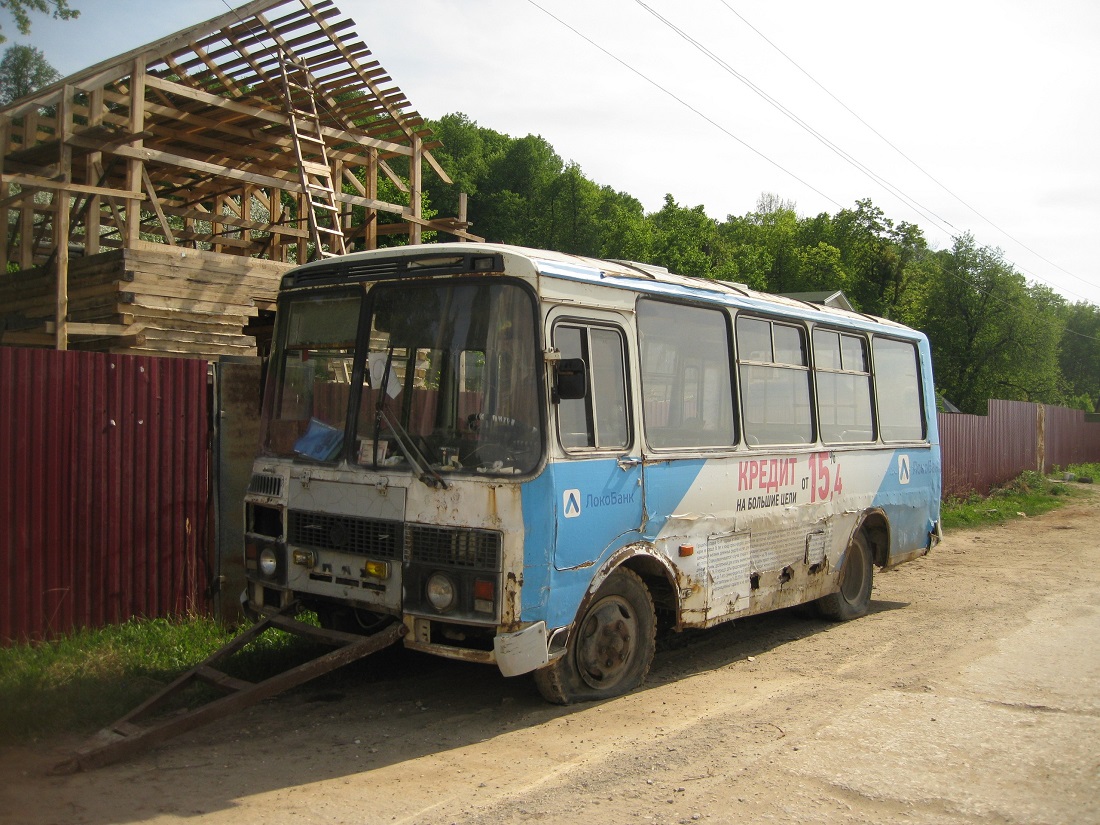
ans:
(325, 225)
(142, 728)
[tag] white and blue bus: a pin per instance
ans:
(538, 460)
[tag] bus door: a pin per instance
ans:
(598, 481)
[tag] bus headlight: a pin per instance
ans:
(441, 592)
(268, 563)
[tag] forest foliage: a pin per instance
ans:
(993, 334)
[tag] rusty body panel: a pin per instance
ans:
(104, 490)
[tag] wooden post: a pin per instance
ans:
(303, 220)
(91, 177)
(1040, 437)
(416, 174)
(133, 173)
(215, 226)
(5, 227)
(61, 215)
(26, 214)
(343, 220)
(462, 213)
(370, 215)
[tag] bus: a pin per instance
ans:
(539, 460)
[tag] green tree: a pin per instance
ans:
(23, 69)
(880, 256)
(992, 335)
(20, 11)
(621, 225)
(1080, 355)
(687, 241)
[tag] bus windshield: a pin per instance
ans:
(449, 380)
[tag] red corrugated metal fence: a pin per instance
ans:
(983, 451)
(104, 490)
(1069, 439)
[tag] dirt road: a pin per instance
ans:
(970, 694)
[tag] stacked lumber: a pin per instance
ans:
(174, 302)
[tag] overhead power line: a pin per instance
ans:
(913, 204)
(915, 165)
(909, 201)
(685, 104)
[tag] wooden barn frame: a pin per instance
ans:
(151, 202)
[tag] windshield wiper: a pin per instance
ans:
(416, 459)
(421, 467)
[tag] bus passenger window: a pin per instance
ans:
(843, 381)
(686, 378)
(775, 386)
(897, 390)
(599, 420)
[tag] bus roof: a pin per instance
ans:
(630, 275)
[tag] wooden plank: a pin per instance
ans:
(156, 306)
(244, 297)
(52, 184)
(101, 330)
(222, 103)
(152, 191)
(26, 339)
(43, 301)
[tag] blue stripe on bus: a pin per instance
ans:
(609, 508)
(909, 494)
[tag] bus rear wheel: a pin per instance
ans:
(853, 598)
(611, 647)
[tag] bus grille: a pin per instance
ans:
(266, 485)
(323, 531)
(454, 547)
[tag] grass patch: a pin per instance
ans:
(89, 679)
(1029, 494)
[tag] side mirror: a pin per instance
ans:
(572, 379)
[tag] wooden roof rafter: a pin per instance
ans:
(188, 143)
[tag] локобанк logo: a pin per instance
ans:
(571, 503)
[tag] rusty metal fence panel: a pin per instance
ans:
(103, 491)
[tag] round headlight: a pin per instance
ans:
(441, 592)
(268, 563)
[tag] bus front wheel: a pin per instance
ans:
(611, 648)
(853, 598)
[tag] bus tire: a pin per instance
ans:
(853, 598)
(611, 648)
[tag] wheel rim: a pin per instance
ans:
(606, 645)
(855, 574)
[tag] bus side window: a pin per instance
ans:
(599, 420)
(775, 386)
(686, 378)
(897, 390)
(843, 381)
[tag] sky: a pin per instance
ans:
(978, 116)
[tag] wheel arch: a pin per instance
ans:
(875, 525)
(656, 573)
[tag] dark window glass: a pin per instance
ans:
(775, 382)
(843, 388)
(686, 392)
(897, 390)
(599, 420)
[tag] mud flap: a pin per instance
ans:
(523, 651)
